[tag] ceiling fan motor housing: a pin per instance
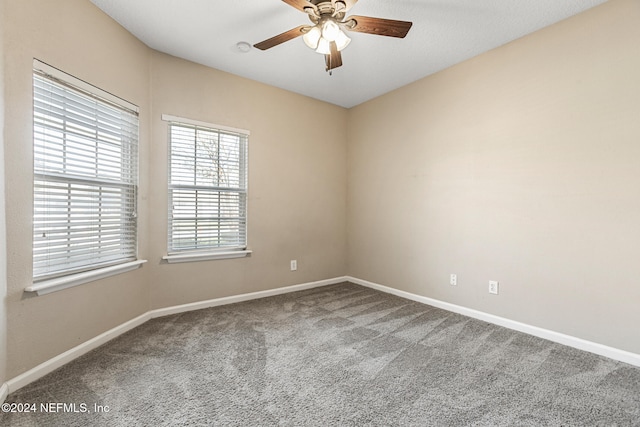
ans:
(323, 9)
(327, 4)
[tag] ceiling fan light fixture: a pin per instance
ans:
(342, 40)
(312, 37)
(330, 30)
(320, 36)
(324, 46)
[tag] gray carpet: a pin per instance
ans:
(337, 355)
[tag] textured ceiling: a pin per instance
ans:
(444, 33)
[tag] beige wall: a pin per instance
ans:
(297, 191)
(520, 165)
(76, 37)
(297, 176)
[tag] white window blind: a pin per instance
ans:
(207, 188)
(85, 178)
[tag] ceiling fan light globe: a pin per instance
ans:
(324, 46)
(330, 30)
(342, 41)
(312, 37)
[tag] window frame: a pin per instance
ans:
(55, 276)
(176, 255)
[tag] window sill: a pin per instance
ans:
(60, 283)
(205, 256)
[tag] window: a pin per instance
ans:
(207, 188)
(85, 176)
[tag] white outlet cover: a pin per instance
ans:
(493, 287)
(453, 280)
(294, 265)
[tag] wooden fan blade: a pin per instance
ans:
(334, 59)
(281, 38)
(299, 4)
(378, 26)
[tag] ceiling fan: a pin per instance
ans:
(326, 36)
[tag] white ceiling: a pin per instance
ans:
(444, 32)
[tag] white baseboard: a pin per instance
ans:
(242, 297)
(62, 359)
(4, 392)
(592, 347)
(50, 365)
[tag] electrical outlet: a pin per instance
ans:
(294, 265)
(493, 287)
(453, 280)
